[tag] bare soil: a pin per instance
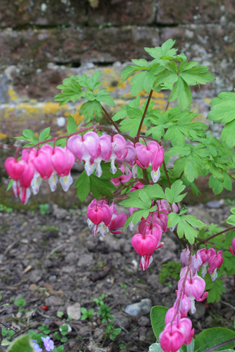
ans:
(54, 260)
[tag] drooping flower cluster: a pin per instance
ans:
(93, 149)
(146, 240)
(35, 165)
(211, 259)
(160, 216)
(178, 328)
(49, 163)
(103, 218)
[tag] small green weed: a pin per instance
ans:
(4, 208)
(7, 333)
(170, 270)
(86, 314)
(20, 302)
(44, 209)
(104, 310)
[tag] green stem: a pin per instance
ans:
(142, 120)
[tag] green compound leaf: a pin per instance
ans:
(223, 110)
(172, 195)
(165, 50)
(157, 316)
(91, 109)
(21, 343)
(105, 97)
(142, 200)
(212, 337)
(192, 164)
(91, 83)
(137, 215)
(71, 90)
(229, 261)
(44, 135)
(83, 186)
(28, 135)
(182, 93)
(72, 126)
(218, 186)
(101, 187)
(215, 289)
(196, 75)
(185, 225)
(231, 220)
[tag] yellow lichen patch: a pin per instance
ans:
(127, 96)
(12, 94)
(77, 118)
(207, 100)
(66, 113)
(31, 109)
(107, 70)
(158, 95)
(121, 85)
(3, 136)
(52, 108)
(159, 104)
(8, 112)
(59, 132)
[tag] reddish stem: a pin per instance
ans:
(110, 119)
(142, 120)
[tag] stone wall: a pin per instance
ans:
(42, 42)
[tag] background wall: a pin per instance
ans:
(42, 42)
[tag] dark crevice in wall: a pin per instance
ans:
(74, 64)
(86, 25)
(104, 63)
(39, 27)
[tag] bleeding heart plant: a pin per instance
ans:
(124, 164)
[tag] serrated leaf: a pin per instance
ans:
(184, 229)
(223, 108)
(197, 75)
(173, 219)
(192, 220)
(72, 126)
(104, 96)
(127, 72)
(91, 109)
(29, 135)
(173, 194)
(71, 90)
(164, 50)
(228, 133)
(133, 202)
(83, 186)
(182, 93)
(44, 134)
